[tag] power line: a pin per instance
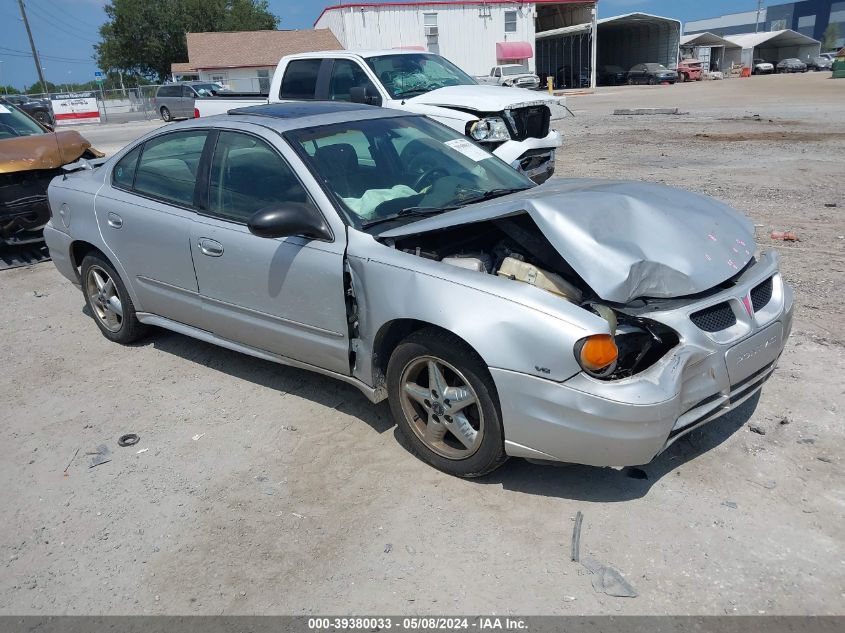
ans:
(48, 21)
(66, 15)
(9, 51)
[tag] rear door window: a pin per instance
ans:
(300, 79)
(168, 167)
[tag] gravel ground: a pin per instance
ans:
(262, 489)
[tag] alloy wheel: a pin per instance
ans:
(103, 298)
(441, 407)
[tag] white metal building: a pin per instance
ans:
(474, 35)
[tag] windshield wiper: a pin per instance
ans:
(493, 193)
(411, 92)
(416, 212)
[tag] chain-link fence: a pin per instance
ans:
(138, 103)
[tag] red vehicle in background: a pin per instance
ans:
(689, 70)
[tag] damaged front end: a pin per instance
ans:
(27, 165)
(694, 322)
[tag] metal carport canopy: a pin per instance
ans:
(706, 39)
(772, 39)
(635, 38)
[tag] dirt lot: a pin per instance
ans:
(265, 489)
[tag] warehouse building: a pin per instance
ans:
(811, 18)
(475, 36)
(554, 38)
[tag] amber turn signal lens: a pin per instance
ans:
(598, 351)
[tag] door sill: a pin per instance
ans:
(374, 395)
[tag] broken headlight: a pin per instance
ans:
(634, 345)
(489, 129)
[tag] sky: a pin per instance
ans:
(66, 30)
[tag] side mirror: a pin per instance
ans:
(294, 218)
(365, 95)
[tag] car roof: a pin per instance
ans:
(295, 115)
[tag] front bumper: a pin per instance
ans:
(534, 157)
(630, 421)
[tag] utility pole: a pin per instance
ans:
(32, 46)
(759, 10)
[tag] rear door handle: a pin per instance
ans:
(212, 248)
(114, 220)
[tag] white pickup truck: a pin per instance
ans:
(511, 75)
(513, 123)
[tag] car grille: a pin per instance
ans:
(762, 294)
(715, 318)
(529, 122)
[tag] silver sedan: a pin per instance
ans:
(580, 321)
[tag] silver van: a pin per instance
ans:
(176, 100)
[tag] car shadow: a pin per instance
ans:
(569, 481)
(328, 392)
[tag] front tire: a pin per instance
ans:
(165, 114)
(445, 404)
(109, 302)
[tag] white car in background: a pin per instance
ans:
(762, 67)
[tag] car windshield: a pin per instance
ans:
(791, 60)
(514, 70)
(656, 67)
(14, 123)
(412, 74)
(400, 168)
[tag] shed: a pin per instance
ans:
(713, 51)
(774, 46)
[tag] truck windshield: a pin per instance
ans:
(400, 168)
(411, 74)
(514, 70)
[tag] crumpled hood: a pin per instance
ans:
(625, 239)
(42, 151)
(484, 98)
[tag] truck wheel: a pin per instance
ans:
(165, 114)
(109, 301)
(445, 404)
(681, 78)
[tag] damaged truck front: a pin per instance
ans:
(30, 157)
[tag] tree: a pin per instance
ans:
(144, 37)
(9, 90)
(830, 37)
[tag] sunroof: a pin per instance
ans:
(300, 109)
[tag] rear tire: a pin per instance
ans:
(681, 78)
(435, 375)
(43, 118)
(165, 114)
(652, 81)
(109, 302)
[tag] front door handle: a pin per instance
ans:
(212, 248)
(114, 220)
